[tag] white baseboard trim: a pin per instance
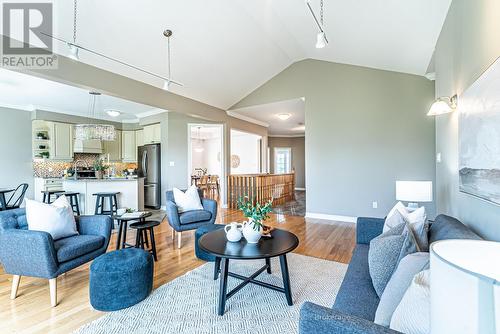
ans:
(300, 189)
(347, 219)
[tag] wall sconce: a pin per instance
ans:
(443, 105)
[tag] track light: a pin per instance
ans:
(320, 40)
(166, 85)
(73, 52)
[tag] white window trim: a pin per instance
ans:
(289, 149)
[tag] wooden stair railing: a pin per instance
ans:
(280, 188)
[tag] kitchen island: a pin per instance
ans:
(131, 192)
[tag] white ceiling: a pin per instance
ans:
(268, 115)
(224, 49)
(22, 91)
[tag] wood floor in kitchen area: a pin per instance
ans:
(31, 312)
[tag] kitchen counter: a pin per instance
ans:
(111, 179)
(131, 192)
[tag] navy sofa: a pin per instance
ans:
(36, 254)
(354, 309)
(189, 220)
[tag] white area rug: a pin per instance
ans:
(188, 304)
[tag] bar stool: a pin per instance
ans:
(112, 201)
(73, 200)
(141, 236)
(47, 195)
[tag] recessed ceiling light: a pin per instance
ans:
(284, 117)
(113, 113)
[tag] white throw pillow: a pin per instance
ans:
(395, 217)
(187, 201)
(413, 314)
(399, 214)
(56, 218)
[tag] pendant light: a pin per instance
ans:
(199, 149)
(321, 39)
(168, 33)
(104, 132)
(73, 49)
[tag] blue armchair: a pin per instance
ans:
(36, 254)
(189, 220)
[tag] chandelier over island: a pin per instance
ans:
(104, 132)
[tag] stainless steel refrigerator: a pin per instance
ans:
(149, 159)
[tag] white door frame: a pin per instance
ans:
(223, 172)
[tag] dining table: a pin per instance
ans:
(3, 201)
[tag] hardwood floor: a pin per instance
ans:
(31, 312)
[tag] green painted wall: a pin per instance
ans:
(469, 43)
(15, 148)
(297, 144)
(365, 129)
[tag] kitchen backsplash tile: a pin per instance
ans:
(50, 168)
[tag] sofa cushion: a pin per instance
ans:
(356, 296)
(446, 227)
(386, 251)
(57, 218)
(188, 200)
(76, 246)
(194, 216)
(409, 266)
(413, 314)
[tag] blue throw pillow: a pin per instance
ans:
(386, 251)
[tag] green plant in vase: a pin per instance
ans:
(99, 168)
(257, 214)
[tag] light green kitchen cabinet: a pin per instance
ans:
(113, 148)
(139, 137)
(52, 140)
(63, 141)
(152, 134)
(129, 148)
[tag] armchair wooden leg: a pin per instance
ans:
(179, 239)
(53, 291)
(15, 285)
(173, 234)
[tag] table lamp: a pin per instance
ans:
(465, 287)
(414, 192)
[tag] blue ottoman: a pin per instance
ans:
(120, 279)
(200, 254)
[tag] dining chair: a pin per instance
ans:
(214, 186)
(16, 199)
(203, 184)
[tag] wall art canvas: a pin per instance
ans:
(479, 136)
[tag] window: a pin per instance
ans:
(282, 160)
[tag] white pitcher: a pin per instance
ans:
(252, 235)
(233, 232)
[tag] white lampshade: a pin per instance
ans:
(439, 108)
(465, 287)
(414, 191)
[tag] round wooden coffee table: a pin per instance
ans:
(281, 243)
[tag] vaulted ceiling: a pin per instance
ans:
(224, 49)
